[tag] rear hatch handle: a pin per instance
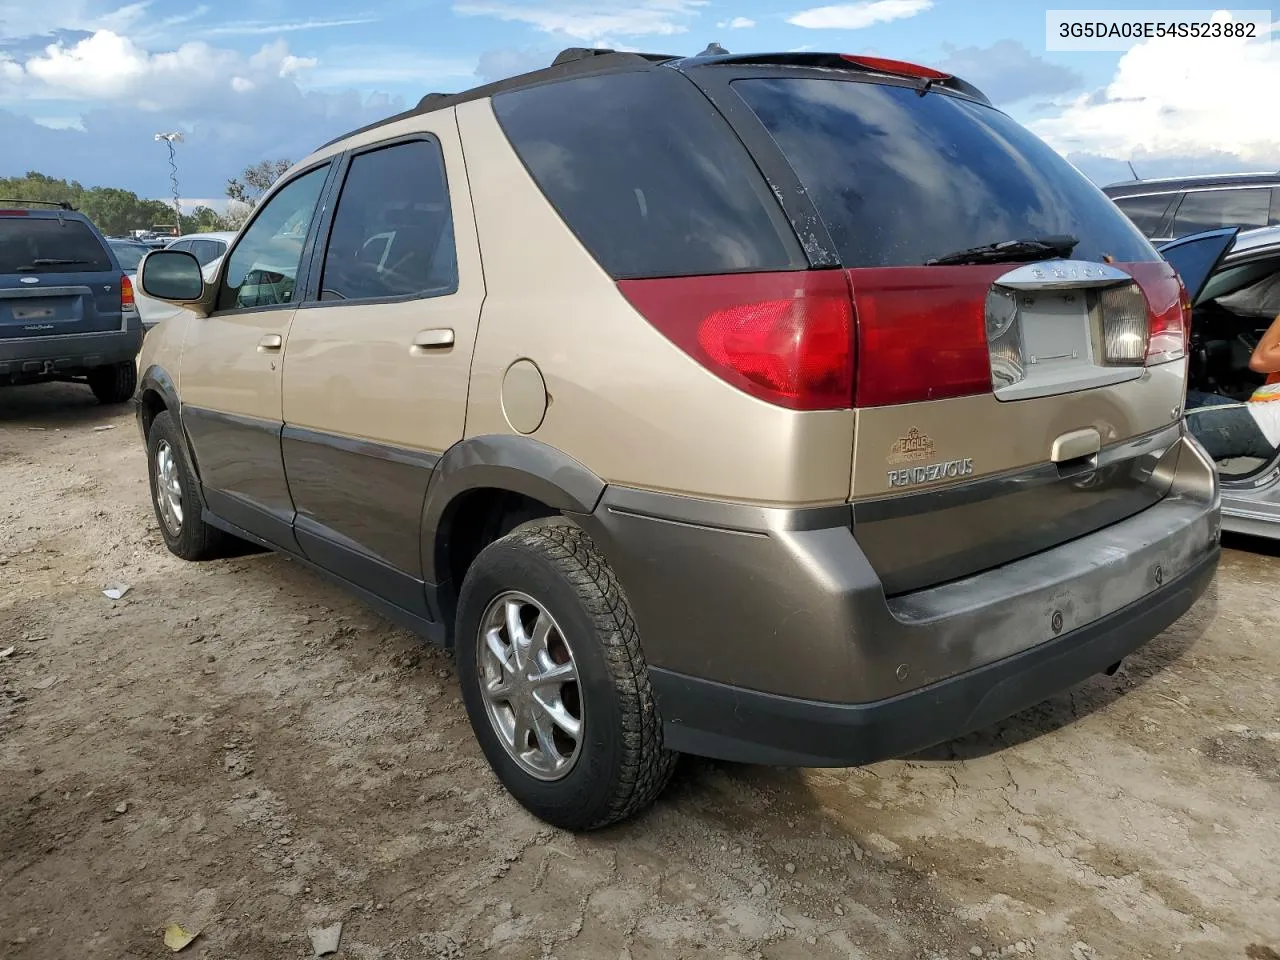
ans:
(1076, 451)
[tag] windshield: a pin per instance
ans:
(900, 179)
(129, 255)
(35, 245)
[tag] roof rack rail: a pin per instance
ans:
(431, 98)
(60, 204)
(571, 54)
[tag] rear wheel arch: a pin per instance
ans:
(483, 488)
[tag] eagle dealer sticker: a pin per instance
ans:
(917, 448)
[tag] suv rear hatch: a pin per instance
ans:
(1003, 406)
(57, 277)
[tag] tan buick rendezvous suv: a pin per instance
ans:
(789, 409)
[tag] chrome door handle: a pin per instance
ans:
(271, 342)
(434, 339)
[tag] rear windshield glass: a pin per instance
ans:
(648, 176)
(899, 178)
(50, 245)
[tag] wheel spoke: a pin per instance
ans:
(546, 741)
(542, 628)
(500, 651)
(520, 731)
(559, 714)
(557, 673)
(515, 631)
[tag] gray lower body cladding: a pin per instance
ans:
(750, 616)
(53, 356)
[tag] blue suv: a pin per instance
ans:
(66, 307)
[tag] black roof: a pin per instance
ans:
(587, 61)
(1128, 188)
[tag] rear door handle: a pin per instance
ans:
(434, 339)
(270, 343)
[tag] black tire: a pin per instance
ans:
(621, 765)
(194, 539)
(115, 383)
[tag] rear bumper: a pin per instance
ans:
(711, 719)
(54, 355)
(770, 638)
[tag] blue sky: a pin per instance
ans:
(85, 84)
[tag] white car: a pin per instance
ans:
(207, 248)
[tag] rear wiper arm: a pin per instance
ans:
(46, 262)
(1011, 251)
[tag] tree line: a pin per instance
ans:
(119, 212)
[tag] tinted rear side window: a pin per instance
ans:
(50, 245)
(1211, 209)
(899, 178)
(1148, 212)
(648, 176)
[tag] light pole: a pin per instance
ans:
(170, 139)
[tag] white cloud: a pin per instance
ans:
(370, 67)
(1174, 99)
(593, 23)
(250, 28)
(856, 16)
(107, 67)
(737, 23)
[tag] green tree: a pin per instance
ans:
(256, 180)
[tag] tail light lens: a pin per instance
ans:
(1125, 324)
(126, 293)
(786, 338)
(922, 333)
(1170, 329)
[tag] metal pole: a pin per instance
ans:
(170, 139)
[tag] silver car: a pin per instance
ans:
(1233, 280)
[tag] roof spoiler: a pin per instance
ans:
(571, 54)
(927, 76)
(60, 204)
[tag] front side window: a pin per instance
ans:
(263, 267)
(392, 232)
(1211, 209)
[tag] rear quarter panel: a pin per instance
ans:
(624, 401)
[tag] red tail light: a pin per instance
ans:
(786, 338)
(126, 293)
(922, 333)
(1170, 316)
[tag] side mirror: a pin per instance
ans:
(171, 275)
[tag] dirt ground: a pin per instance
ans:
(243, 749)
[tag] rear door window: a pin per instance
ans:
(1147, 212)
(900, 178)
(1211, 209)
(40, 245)
(648, 176)
(392, 232)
